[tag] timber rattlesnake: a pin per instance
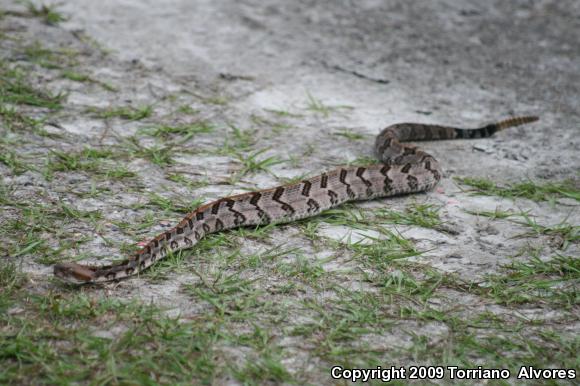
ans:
(403, 168)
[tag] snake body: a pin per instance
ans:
(404, 168)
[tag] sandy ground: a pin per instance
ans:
(374, 63)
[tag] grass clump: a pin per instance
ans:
(423, 215)
(94, 161)
(84, 78)
(13, 161)
(46, 12)
(159, 155)
(535, 281)
(186, 131)
(530, 190)
(129, 113)
(252, 163)
(317, 106)
(15, 89)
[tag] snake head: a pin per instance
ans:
(74, 273)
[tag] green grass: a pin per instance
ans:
(16, 89)
(45, 12)
(226, 294)
(536, 281)
(184, 131)
(188, 110)
(172, 264)
(362, 161)
(303, 269)
(129, 113)
(177, 204)
(242, 139)
(380, 251)
(276, 127)
(423, 215)
(317, 106)
(498, 213)
(63, 161)
(29, 353)
(264, 369)
(13, 161)
(339, 322)
(84, 78)
(253, 163)
(51, 59)
(10, 278)
(531, 190)
(283, 113)
(37, 223)
(97, 163)
(350, 135)
(559, 235)
(14, 120)
(159, 155)
(185, 181)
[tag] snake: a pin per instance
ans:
(403, 168)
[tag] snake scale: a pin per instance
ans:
(404, 168)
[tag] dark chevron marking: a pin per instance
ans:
(406, 168)
(435, 173)
(387, 182)
(306, 188)
(278, 193)
(323, 181)
(255, 198)
(263, 216)
(239, 218)
(219, 225)
(313, 206)
(333, 197)
(285, 207)
(359, 173)
(342, 179)
(206, 228)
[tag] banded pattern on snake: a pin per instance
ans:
(404, 168)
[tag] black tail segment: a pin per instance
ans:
(489, 130)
